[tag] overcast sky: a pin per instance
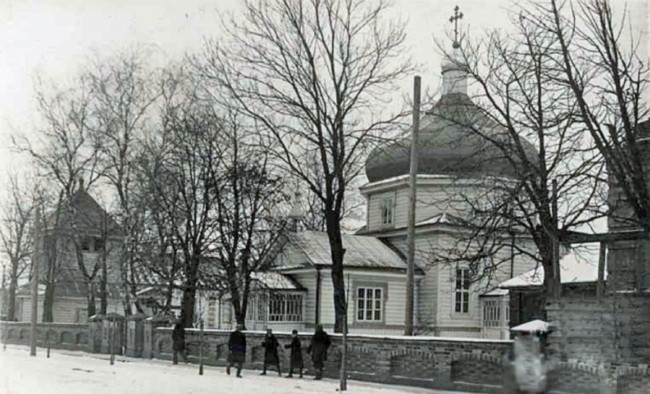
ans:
(51, 38)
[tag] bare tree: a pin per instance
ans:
(16, 237)
(65, 153)
(158, 256)
(599, 60)
(310, 72)
(249, 197)
(124, 91)
(526, 122)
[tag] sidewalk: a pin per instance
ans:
(69, 372)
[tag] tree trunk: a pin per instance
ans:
(48, 302)
(338, 281)
(189, 293)
(235, 300)
(187, 305)
(103, 280)
(103, 292)
(11, 307)
(91, 299)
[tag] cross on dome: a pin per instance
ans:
(454, 19)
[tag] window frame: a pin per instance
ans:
(464, 291)
(374, 309)
(387, 210)
(290, 307)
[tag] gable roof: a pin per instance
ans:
(276, 281)
(313, 249)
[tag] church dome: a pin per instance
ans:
(448, 145)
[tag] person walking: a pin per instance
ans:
(320, 342)
(178, 339)
(237, 350)
(270, 346)
(296, 354)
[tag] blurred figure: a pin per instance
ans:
(178, 338)
(320, 342)
(270, 346)
(237, 350)
(296, 354)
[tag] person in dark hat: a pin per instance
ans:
(270, 346)
(178, 338)
(237, 350)
(320, 342)
(296, 354)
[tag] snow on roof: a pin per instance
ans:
(496, 292)
(403, 177)
(275, 280)
(532, 326)
(360, 251)
(442, 218)
(579, 265)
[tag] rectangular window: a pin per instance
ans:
(387, 211)
(369, 303)
(461, 291)
(285, 307)
(491, 313)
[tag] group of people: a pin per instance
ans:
(320, 342)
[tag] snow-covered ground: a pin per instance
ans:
(69, 372)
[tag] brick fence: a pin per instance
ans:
(59, 335)
(443, 363)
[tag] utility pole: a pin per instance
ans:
(200, 347)
(343, 386)
(111, 339)
(410, 237)
(557, 287)
(35, 263)
(5, 307)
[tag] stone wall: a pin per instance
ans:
(444, 363)
(59, 335)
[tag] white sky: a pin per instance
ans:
(53, 37)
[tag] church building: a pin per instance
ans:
(453, 161)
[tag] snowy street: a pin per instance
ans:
(81, 373)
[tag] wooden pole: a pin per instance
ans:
(601, 270)
(200, 348)
(344, 373)
(557, 287)
(49, 332)
(5, 306)
(111, 339)
(35, 267)
(410, 237)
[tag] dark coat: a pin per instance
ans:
(270, 346)
(320, 342)
(237, 346)
(296, 352)
(178, 336)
